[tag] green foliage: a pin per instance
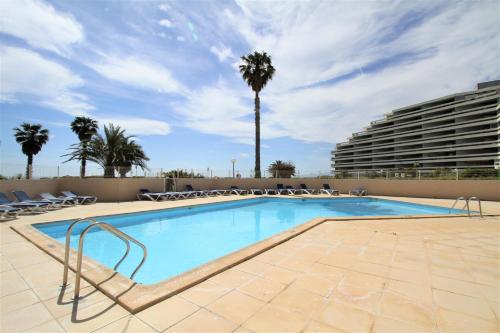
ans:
(280, 169)
(115, 151)
(85, 128)
(181, 174)
(31, 137)
(479, 173)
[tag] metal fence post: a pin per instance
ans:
(418, 174)
(358, 174)
(456, 174)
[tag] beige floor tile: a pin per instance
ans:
(370, 268)
(167, 313)
(326, 270)
(412, 276)
(273, 318)
(204, 293)
(236, 306)
(22, 254)
(11, 283)
(61, 306)
(51, 326)
(457, 286)
(319, 327)
(92, 317)
(129, 324)
(25, 318)
(262, 289)
(464, 304)
(358, 297)
(17, 301)
(241, 329)
(318, 284)
(253, 266)
(368, 281)
(404, 309)
(232, 278)
(390, 325)
(300, 300)
(5, 265)
(455, 322)
(452, 273)
(299, 265)
(281, 275)
(346, 318)
(203, 321)
(416, 292)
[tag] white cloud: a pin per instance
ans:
(28, 77)
(222, 53)
(138, 73)
(165, 23)
(181, 39)
(138, 125)
(311, 43)
(164, 7)
(40, 25)
(243, 155)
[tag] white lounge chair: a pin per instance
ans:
(327, 190)
(359, 191)
(306, 190)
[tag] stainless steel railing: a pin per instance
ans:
(478, 203)
(467, 205)
(455, 203)
(106, 227)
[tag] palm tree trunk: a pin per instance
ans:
(83, 167)
(29, 167)
(257, 135)
(109, 171)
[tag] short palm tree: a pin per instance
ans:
(31, 137)
(131, 154)
(114, 150)
(85, 128)
(280, 169)
(257, 70)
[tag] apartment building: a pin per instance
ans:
(455, 131)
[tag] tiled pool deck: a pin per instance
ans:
(400, 275)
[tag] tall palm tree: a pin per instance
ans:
(257, 70)
(115, 149)
(85, 128)
(31, 137)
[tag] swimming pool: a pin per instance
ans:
(180, 239)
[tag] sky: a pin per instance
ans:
(167, 72)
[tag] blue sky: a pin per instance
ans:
(167, 72)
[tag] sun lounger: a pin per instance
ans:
(291, 190)
(23, 197)
(280, 189)
(64, 201)
(271, 191)
(359, 191)
(146, 194)
(30, 206)
(218, 192)
(191, 192)
(327, 190)
(237, 191)
(256, 191)
(82, 199)
(304, 189)
(9, 212)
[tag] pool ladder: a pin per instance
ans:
(467, 205)
(106, 227)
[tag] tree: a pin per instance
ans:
(180, 173)
(280, 169)
(85, 128)
(114, 150)
(131, 154)
(31, 137)
(257, 70)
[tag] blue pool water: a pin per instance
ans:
(181, 239)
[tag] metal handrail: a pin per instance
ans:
(455, 203)
(66, 248)
(479, 204)
(115, 232)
